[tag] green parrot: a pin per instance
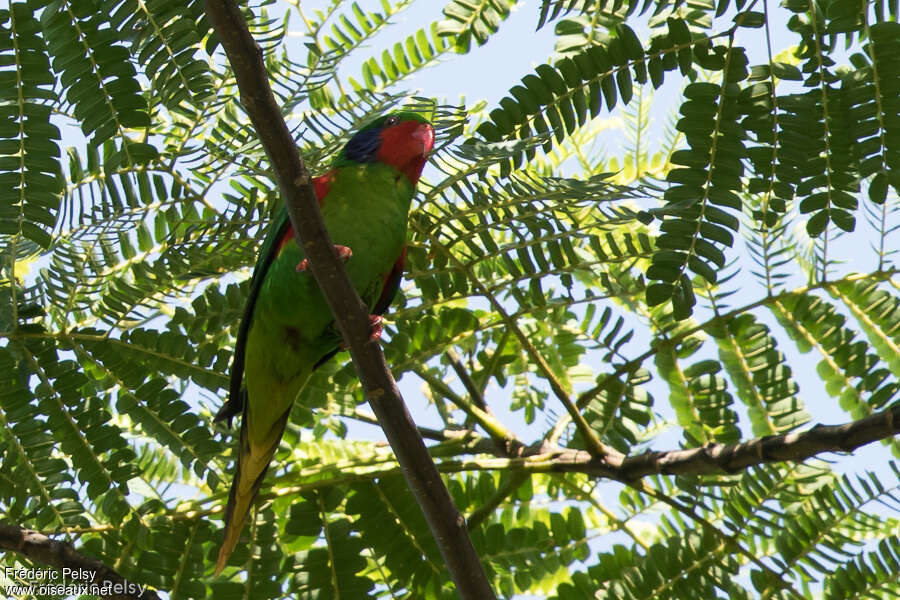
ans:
(288, 329)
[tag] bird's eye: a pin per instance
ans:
(391, 121)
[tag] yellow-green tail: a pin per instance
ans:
(252, 463)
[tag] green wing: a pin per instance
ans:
(280, 225)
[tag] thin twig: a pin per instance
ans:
(438, 435)
(466, 379)
(505, 439)
(506, 489)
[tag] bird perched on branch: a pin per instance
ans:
(288, 329)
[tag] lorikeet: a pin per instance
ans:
(288, 329)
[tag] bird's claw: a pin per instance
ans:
(375, 330)
(342, 252)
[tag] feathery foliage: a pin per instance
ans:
(677, 229)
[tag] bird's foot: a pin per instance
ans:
(342, 252)
(375, 330)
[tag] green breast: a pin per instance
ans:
(366, 209)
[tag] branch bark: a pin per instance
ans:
(61, 555)
(446, 523)
(793, 447)
(718, 458)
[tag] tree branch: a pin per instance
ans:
(506, 489)
(60, 555)
(466, 379)
(351, 315)
(718, 458)
(505, 439)
(437, 435)
(706, 460)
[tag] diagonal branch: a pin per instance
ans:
(61, 556)
(466, 379)
(351, 315)
(505, 439)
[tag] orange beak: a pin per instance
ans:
(424, 133)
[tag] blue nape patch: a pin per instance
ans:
(363, 146)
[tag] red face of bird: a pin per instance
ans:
(406, 145)
(401, 140)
